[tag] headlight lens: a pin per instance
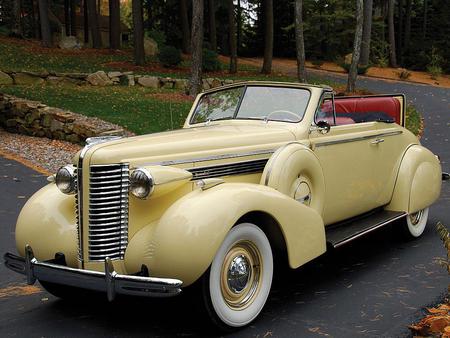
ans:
(141, 183)
(65, 179)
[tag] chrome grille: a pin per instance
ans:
(77, 215)
(238, 168)
(108, 211)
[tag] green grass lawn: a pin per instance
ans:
(134, 108)
(138, 109)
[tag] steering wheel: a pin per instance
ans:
(288, 112)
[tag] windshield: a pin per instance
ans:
(253, 102)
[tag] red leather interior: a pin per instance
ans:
(354, 105)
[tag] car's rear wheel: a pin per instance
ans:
(238, 282)
(415, 223)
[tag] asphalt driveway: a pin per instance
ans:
(373, 287)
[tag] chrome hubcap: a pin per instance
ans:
(241, 275)
(416, 217)
(238, 274)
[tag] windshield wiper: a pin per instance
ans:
(219, 119)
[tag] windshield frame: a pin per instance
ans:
(245, 86)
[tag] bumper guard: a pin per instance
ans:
(109, 281)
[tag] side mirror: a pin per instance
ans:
(322, 127)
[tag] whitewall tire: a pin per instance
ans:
(239, 279)
(416, 222)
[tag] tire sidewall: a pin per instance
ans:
(417, 230)
(223, 315)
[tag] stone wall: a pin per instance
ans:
(36, 119)
(102, 78)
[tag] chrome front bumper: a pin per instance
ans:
(109, 281)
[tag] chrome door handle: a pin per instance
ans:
(377, 141)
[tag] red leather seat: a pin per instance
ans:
(355, 109)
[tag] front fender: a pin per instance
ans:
(47, 223)
(183, 243)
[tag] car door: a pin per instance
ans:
(349, 155)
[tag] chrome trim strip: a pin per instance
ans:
(209, 158)
(235, 168)
(345, 241)
(356, 139)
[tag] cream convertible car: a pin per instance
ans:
(257, 168)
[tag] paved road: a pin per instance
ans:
(371, 288)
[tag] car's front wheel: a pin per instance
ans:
(238, 282)
(415, 223)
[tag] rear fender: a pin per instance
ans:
(183, 243)
(418, 182)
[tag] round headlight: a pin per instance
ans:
(141, 183)
(65, 179)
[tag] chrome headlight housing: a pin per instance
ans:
(66, 180)
(142, 183)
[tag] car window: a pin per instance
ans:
(217, 105)
(273, 103)
(253, 102)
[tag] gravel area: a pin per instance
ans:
(43, 154)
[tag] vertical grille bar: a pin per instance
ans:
(108, 211)
(77, 215)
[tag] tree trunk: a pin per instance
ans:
(16, 26)
(400, 40)
(233, 41)
(392, 51)
(186, 43)
(67, 17)
(367, 32)
(239, 25)
(114, 24)
(408, 24)
(138, 32)
(425, 19)
(300, 44)
(195, 85)
(86, 22)
(45, 23)
(34, 20)
(148, 7)
(212, 25)
(94, 24)
(268, 37)
(73, 18)
(353, 73)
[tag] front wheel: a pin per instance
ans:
(238, 282)
(415, 223)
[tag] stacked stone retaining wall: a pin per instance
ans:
(36, 119)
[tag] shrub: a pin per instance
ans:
(361, 69)
(169, 56)
(317, 63)
(403, 74)
(434, 66)
(158, 36)
(211, 61)
(435, 71)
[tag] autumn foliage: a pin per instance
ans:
(437, 322)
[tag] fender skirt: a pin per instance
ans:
(183, 243)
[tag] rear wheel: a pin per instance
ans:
(238, 282)
(415, 223)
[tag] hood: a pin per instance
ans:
(190, 143)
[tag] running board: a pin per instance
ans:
(344, 232)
